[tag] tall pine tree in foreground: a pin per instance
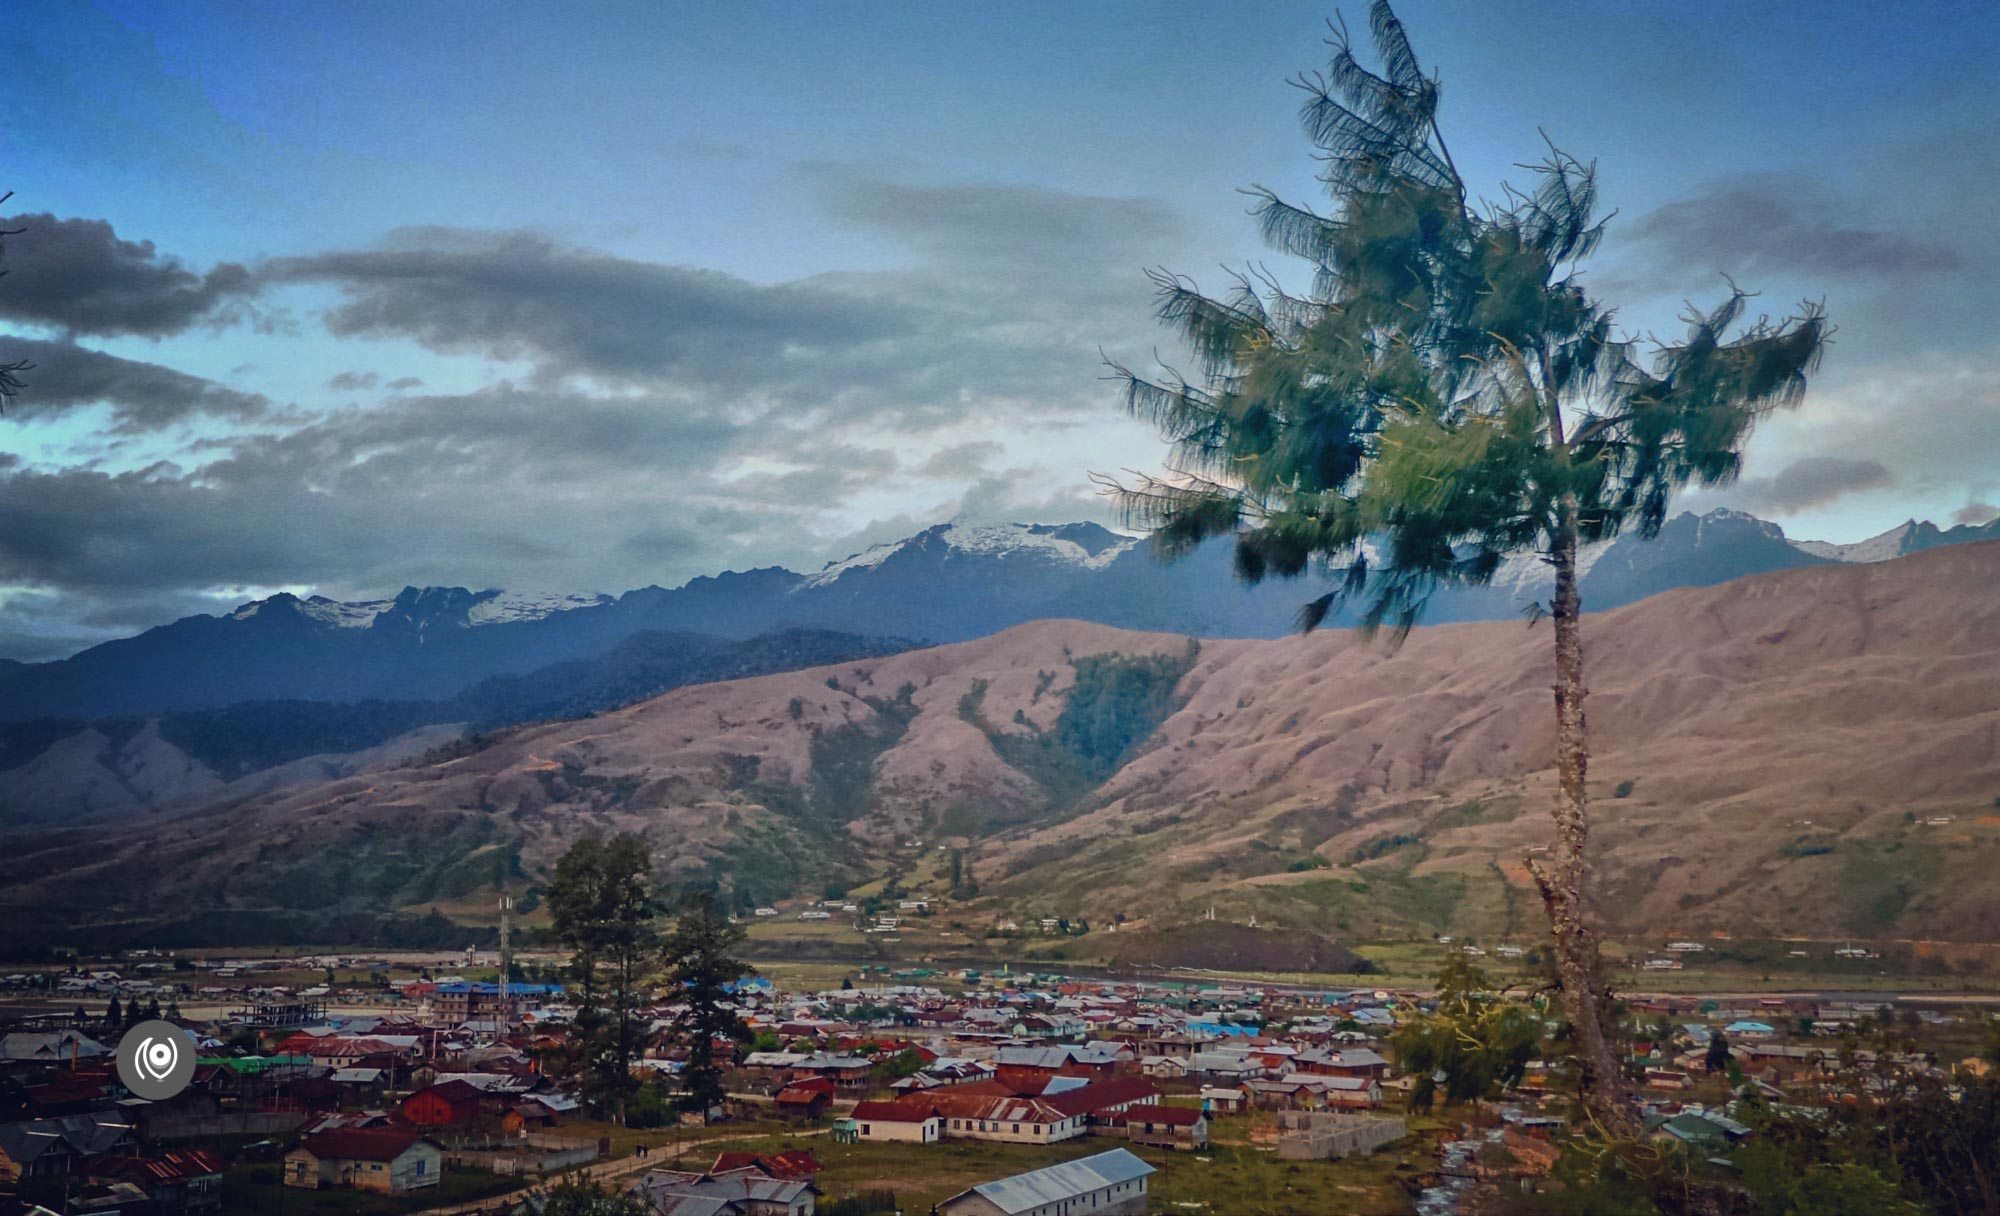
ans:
(1445, 394)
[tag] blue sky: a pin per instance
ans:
(501, 295)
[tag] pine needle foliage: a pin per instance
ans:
(1445, 394)
(1447, 384)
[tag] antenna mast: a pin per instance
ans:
(506, 955)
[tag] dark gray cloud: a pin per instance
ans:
(576, 312)
(1014, 291)
(1810, 482)
(353, 382)
(1976, 514)
(81, 277)
(1782, 226)
(142, 396)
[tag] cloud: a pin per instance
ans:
(1976, 514)
(1773, 225)
(960, 459)
(506, 486)
(670, 421)
(1928, 426)
(142, 396)
(78, 276)
(1000, 226)
(575, 312)
(1811, 482)
(1013, 294)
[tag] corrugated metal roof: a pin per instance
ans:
(1025, 1192)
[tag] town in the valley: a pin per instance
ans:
(407, 1083)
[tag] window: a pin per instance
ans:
(422, 1165)
(865, 1129)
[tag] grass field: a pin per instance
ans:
(1229, 1178)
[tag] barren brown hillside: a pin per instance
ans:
(1770, 756)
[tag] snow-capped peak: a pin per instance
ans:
(493, 607)
(343, 615)
(502, 607)
(1084, 546)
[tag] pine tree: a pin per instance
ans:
(1718, 1057)
(701, 961)
(604, 909)
(1447, 394)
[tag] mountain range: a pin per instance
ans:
(947, 583)
(292, 687)
(1809, 752)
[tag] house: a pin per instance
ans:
(1107, 1184)
(187, 1182)
(913, 1118)
(538, 1111)
(792, 1165)
(771, 1066)
(1181, 1127)
(30, 1154)
(1281, 1095)
(1099, 1101)
(805, 1101)
(946, 1071)
(1226, 1066)
(1349, 1062)
(51, 1148)
(1748, 1029)
(1223, 1100)
(738, 1192)
(846, 1072)
(365, 1085)
(1352, 1093)
(61, 1047)
(453, 1103)
(1701, 1130)
(453, 1003)
(392, 1160)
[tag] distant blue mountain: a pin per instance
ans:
(947, 583)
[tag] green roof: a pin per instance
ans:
(253, 1065)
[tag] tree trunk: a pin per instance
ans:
(1564, 881)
